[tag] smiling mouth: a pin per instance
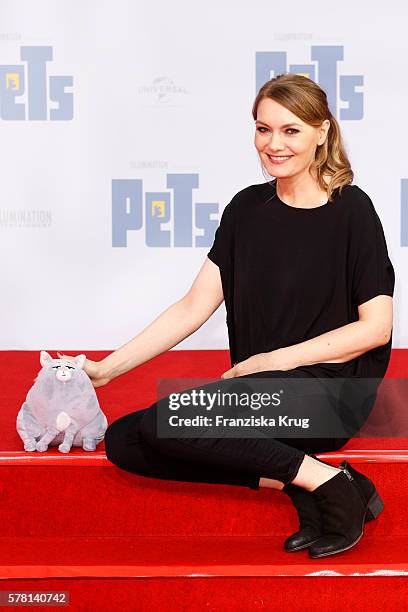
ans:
(278, 158)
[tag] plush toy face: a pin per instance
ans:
(62, 369)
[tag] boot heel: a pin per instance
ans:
(375, 506)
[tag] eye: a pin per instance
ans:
(294, 130)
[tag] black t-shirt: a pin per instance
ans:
(290, 274)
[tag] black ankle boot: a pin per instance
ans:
(308, 515)
(309, 519)
(368, 490)
(343, 507)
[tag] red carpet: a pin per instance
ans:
(114, 539)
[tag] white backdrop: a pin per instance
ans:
(145, 90)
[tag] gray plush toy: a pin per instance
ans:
(61, 408)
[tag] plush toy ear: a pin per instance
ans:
(44, 357)
(80, 360)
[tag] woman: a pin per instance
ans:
(303, 267)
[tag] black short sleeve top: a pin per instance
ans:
(290, 274)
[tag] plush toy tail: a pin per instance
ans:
(62, 421)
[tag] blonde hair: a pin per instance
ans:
(305, 99)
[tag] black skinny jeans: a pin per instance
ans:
(131, 442)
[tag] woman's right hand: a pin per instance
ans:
(93, 369)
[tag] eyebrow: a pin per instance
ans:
(286, 124)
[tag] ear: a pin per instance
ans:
(324, 131)
(44, 358)
(80, 360)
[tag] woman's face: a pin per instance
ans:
(281, 133)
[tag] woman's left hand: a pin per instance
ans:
(262, 362)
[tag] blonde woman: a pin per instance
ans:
(302, 265)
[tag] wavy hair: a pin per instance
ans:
(307, 100)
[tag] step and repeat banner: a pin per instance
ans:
(126, 128)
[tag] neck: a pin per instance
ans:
(300, 191)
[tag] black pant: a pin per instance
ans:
(132, 443)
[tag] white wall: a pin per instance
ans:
(163, 88)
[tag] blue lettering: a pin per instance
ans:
(127, 213)
(14, 82)
(127, 209)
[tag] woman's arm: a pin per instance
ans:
(336, 346)
(347, 342)
(172, 326)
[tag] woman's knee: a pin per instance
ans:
(121, 441)
(172, 447)
(148, 426)
(125, 446)
(115, 441)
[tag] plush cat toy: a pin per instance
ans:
(61, 408)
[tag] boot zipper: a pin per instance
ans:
(347, 473)
(360, 492)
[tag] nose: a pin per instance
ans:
(63, 373)
(275, 143)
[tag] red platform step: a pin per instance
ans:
(117, 540)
